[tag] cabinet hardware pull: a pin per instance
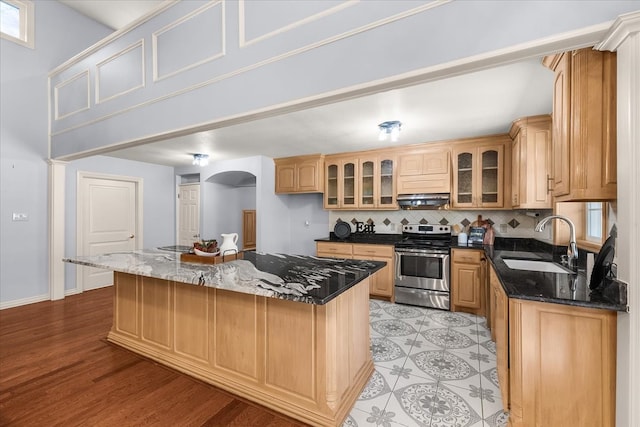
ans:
(549, 178)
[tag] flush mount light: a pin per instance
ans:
(389, 129)
(201, 159)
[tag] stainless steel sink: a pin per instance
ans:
(544, 266)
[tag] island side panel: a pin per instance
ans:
(307, 361)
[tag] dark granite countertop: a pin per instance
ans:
(306, 279)
(366, 238)
(557, 288)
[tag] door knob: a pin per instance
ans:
(131, 236)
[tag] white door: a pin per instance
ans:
(108, 211)
(189, 214)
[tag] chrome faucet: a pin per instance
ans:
(572, 249)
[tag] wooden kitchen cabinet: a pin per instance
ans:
(341, 186)
(563, 365)
(500, 334)
(468, 281)
(531, 162)
(425, 171)
(556, 363)
(382, 282)
(584, 125)
(377, 181)
(363, 180)
(300, 174)
(479, 170)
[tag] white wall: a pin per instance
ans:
(158, 209)
(222, 209)
(60, 33)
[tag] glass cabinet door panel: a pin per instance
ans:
(349, 184)
(465, 178)
(490, 176)
(386, 182)
(332, 185)
(367, 183)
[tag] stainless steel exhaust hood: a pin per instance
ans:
(430, 201)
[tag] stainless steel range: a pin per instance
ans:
(422, 266)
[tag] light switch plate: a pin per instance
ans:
(20, 216)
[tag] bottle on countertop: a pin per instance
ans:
(462, 238)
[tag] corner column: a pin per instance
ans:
(624, 38)
(57, 172)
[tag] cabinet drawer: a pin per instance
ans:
(334, 248)
(385, 251)
(467, 255)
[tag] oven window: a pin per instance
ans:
(421, 266)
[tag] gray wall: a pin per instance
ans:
(60, 33)
(280, 222)
(159, 202)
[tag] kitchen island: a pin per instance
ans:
(288, 332)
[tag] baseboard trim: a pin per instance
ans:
(73, 291)
(24, 301)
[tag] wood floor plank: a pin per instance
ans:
(57, 369)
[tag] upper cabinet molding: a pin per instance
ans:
(623, 27)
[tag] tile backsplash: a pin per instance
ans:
(505, 223)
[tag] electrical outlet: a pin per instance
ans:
(20, 216)
(503, 228)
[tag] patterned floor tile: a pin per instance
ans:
(450, 319)
(449, 339)
(394, 328)
(494, 415)
(458, 407)
(433, 368)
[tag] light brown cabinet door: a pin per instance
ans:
(465, 279)
(300, 174)
(563, 365)
(463, 177)
(308, 177)
(386, 183)
(248, 229)
(500, 334)
(468, 281)
(285, 178)
(515, 168)
(561, 125)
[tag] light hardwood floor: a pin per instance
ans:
(56, 368)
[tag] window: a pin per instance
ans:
(17, 21)
(593, 221)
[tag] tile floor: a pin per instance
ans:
(432, 368)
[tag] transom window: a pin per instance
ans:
(17, 21)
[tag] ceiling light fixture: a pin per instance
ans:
(391, 129)
(201, 159)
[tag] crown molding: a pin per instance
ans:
(622, 27)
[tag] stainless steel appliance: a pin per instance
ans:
(423, 201)
(422, 266)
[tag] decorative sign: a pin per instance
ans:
(362, 227)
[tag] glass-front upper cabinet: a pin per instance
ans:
(331, 186)
(479, 176)
(367, 183)
(349, 184)
(465, 181)
(387, 193)
(489, 177)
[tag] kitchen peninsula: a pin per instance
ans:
(288, 332)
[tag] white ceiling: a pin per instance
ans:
(474, 104)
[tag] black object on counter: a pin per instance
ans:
(602, 262)
(342, 230)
